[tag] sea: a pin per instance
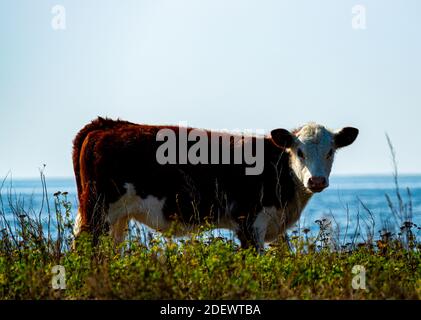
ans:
(351, 205)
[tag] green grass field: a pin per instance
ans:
(201, 266)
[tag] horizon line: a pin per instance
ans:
(8, 176)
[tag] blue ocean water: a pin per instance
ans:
(346, 202)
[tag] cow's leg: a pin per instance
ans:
(91, 214)
(252, 234)
(119, 229)
(259, 234)
(81, 225)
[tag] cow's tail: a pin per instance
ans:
(97, 124)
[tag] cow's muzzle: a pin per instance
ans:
(317, 184)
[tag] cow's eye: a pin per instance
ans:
(300, 153)
(330, 154)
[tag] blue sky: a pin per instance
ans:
(215, 64)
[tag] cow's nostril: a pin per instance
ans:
(317, 182)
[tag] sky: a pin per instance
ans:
(220, 64)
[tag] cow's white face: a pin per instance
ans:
(312, 149)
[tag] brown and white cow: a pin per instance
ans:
(118, 178)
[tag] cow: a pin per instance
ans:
(119, 178)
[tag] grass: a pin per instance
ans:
(204, 266)
(199, 267)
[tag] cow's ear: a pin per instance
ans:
(345, 137)
(282, 138)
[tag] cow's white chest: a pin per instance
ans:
(271, 222)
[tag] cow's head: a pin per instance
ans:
(312, 149)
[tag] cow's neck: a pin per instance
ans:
(291, 203)
(299, 201)
(302, 195)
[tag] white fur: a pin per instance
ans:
(315, 141)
